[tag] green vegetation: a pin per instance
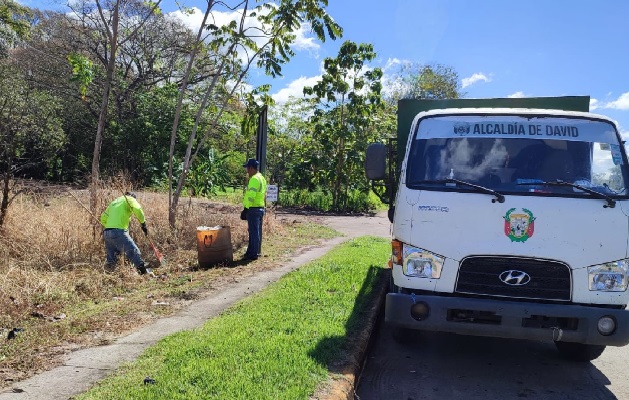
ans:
(354, 200)
(144, 96)
(13, 24)
(278, 344)
(346, 99)
(52, 283)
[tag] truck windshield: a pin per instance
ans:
(516, 154)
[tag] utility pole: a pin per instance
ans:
(262, 139)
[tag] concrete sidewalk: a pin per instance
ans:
(83, 368)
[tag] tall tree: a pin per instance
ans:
(44, 59)
(288, 161)
(148, 67)
(109, 15)
(261, 36)
(347, 97)
(14, 24)
(425, 81)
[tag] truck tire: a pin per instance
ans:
(579, 351)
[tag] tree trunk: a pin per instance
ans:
(5, 196)
(102, 118)
(173, 199)
(336, 192)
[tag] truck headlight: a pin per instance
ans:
(609, 277)
(421, 263)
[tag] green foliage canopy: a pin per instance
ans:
(426, 81)
(30, 130)
(347, 98)
(14, 24)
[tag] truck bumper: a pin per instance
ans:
(507, 319)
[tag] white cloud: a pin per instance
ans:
(594, 104)
(479, 76)
(517, 95)
(622, 103)
(191, 20)
(391, 63)
(295, 88)
(391, 81)
(303, 41)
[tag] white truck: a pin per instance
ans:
(509, 222)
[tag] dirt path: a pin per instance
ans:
(81, 369)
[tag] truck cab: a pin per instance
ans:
(513, 223)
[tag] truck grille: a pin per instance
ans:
(549, 280)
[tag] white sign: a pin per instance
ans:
(271, 193)
(515, 126)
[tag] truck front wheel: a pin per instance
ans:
(579, 351)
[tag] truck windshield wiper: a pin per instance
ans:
(500, 198)
(611, 203)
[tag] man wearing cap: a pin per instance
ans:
(115, 221)
(254, 208)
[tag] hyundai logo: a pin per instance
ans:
(513, 277)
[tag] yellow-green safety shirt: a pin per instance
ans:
(256, 191)
(118, 213)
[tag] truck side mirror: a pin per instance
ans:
(376, 161)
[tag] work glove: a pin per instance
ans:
(145, 229)
(243, 214)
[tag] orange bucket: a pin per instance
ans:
(214, 245)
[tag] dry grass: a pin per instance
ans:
(52, 283)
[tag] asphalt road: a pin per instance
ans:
(447, 366)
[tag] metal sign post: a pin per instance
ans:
(262, 139)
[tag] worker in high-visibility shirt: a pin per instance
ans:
(253, 212)
(115, 220)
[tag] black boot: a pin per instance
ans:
(142, 270)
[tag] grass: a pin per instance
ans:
(279, 344)
(356, 201)
(228, 195)
(53, 287)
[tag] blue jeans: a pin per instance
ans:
(118, 241)
(254, 223)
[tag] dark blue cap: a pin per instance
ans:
(132, 194)
(252, 162)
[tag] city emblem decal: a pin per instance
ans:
(519, 226)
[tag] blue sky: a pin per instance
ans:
(499, 48)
